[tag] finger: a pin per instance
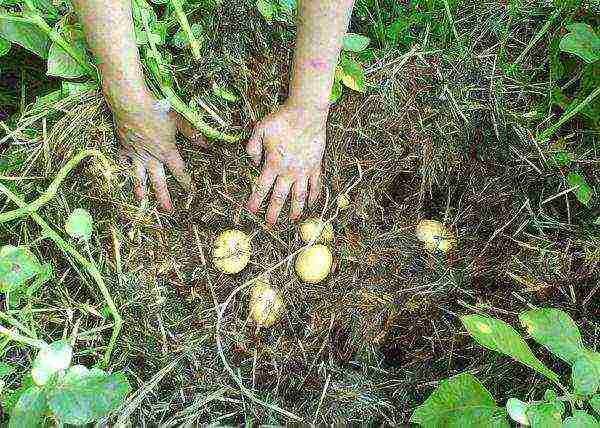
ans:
(298, 197)
(254, 146)
(280, 194)
(177, 167)
(315, 187)
(190, 132)
(261, 190)
(140, 179)
(159, 183)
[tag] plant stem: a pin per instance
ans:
(177, 103)
(567, 116)
(53, 188)
(91, 269)
(34, 343)
(183, 21)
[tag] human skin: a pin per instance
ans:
(292, 139)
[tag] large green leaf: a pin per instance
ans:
(544, 415)
(580, 419)
(17, 266)
(50, 360)
(582, 41)
(266, 8)
(25, 34)
(352, 75)
(28, 411)
(355, 42)
(585, 373)
(5, 369)
(555, 330)
(498, 336)
(83, 396)
(461, 401)
(60, 63)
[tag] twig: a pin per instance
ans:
(35, 343)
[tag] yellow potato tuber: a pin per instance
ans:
(313, 264)
(231, 252)
(266, 304)
(435, 236)
(309, 230)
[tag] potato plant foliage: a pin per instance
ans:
(463, 400)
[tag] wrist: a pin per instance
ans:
(308, 112)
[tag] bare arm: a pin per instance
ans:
(293, 138)
(147, 131)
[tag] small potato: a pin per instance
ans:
(343, 202)
(313, 264)
(266, 304)
(310, 228)
(231, 252)
(435, 236)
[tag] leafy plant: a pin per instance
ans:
(21, 273)
(70, 394)
(349, 71)
(277, 10)
(463, 401)
(45, 28)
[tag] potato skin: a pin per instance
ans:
(231, 252)
(313, 264)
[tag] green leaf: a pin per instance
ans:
(517, 411)
(60, 63)
(544, 415)
(266, 9)
(461, 401)
(561, 158)
(54, 358)
(224, 93)
(4, 46)
(75, 88)
(353, 75)
(29, 409)
(498, 336)
(581, 41)
(583, 191)
(585, 373)
(355, 42)
(79, 224)
(595, 403)
(555, 330)
(5, 369)
(580, 419)
(17, 266)
(336, 91)
(597, 221)
(26, 35)
(83, 396)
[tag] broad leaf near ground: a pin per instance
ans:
(17, 266)
(54, 358)
(79, 224)
(353, 75)
(498, 336)
(336, 90)
(582, 41)
(580, 419)
(583, 190)
(555, 330)
(83, 396)
(60, 63)
(28, 409)
(355, 42)
(585, 373)
(4, 46)
(266, 8)
(517, 410)
(461, 401)
(544, 415)
(5, 369)
(24, 34)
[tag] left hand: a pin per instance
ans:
(293, 139)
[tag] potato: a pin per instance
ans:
(231, 252)
(310, 228)
(266, 304)
(313, 264)
(435, 236)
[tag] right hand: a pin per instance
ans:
(147, 134)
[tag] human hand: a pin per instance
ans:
(293, 140)
(147, 133)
